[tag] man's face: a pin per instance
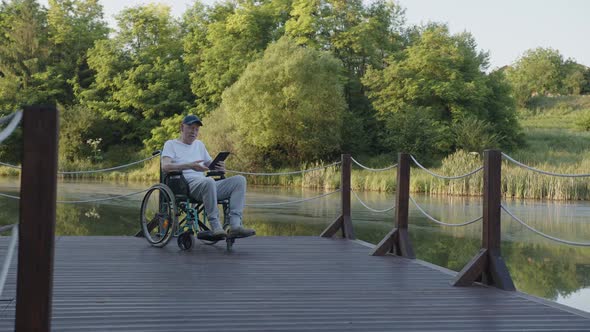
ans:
(189, 133)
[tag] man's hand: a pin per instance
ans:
(220, 166)
(196, 165)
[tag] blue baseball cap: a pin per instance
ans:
(192, 119)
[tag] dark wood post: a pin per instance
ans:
(398, 240)
(488, 266)
(344, 221)
(37, 219)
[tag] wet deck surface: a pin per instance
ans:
(270, 284)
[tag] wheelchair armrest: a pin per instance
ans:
(220, 175)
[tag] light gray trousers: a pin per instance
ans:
(209, 191)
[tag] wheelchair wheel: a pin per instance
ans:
(158, 219)
(185, 240)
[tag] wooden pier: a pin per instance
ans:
(271, 284)
(265, 283)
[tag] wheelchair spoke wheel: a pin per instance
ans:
(158, 217)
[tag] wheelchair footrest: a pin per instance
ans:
(208, 236)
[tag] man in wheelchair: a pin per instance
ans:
(189, 155)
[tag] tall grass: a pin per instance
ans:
(325, 178)
(516, 181)
(148, 172)
(553, 143)
(556, 150)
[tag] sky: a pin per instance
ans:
(505, 28)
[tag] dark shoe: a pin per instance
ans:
(219, 233)
(216, 235)
(239, 232)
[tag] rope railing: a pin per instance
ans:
(84, 201)
(443, 176)
(108, 169)
(292, 202)
(284, 173)
(370, 208)
(542, 171)
(10, 165)
(142, 191)
(92, 171)
(7, 118)
(373, 169)
(9, 254)
(547, 236)
(441, 222)
(14, 119)
(155, 155)
(6, 227)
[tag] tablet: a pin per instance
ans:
(220, 157)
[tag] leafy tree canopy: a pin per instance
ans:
(360, 36)
(24, 50)
(285, 109)
(441, 76)
(221, 40)
(543, 71)
(140, 74)
(73, 28)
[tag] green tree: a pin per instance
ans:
(442, 76)
(543, 71)
(77, 125)
(472, 134)
(285, 109)
(223, 39)
(573, 80)
(536, 72)
(168, 129)
(73, 28)
(23, 61)
(140, 76)
(586, 87)
(23, 54)
(360, 36)
(500, 114)
(417, 131)
(305, 23)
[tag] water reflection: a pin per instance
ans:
(538, 266)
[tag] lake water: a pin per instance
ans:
(538, 266)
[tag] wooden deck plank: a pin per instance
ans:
(270, 284)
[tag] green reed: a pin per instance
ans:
(553, 143)
(517, 182)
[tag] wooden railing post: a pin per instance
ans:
(37, 219)
(398, 240)
(488, 266)
(344, 221)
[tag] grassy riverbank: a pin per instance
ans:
(554, 142)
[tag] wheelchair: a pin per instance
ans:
(168, 210)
